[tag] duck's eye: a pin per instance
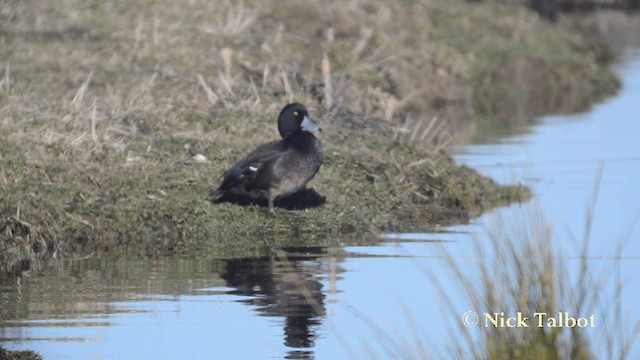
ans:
(295, 113)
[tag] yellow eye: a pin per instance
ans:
(295, 113)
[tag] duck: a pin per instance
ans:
(280, 167)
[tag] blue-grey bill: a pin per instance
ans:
(309, 125)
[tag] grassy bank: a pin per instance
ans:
(117, 119)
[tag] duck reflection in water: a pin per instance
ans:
(284, 286)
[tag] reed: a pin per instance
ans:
(519, 268)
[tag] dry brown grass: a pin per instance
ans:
(99, 73)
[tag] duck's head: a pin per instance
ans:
(295, 117)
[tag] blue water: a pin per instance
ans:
(358, 302)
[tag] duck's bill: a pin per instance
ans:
(309, 125)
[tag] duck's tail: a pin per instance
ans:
(217, 195)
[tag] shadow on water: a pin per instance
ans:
(284, 286)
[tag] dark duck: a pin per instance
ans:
(280, 167)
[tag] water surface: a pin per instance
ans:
(354, 302)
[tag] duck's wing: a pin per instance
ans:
(252, 167)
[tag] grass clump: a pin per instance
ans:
(521, 271)
(18, 355)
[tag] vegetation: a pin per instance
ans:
(523, 270)
(116, 118)
(18, 355)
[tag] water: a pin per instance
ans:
(354, 302)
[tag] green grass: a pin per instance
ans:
(154, 207)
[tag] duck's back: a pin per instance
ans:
(274, 169)
(243, 176)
